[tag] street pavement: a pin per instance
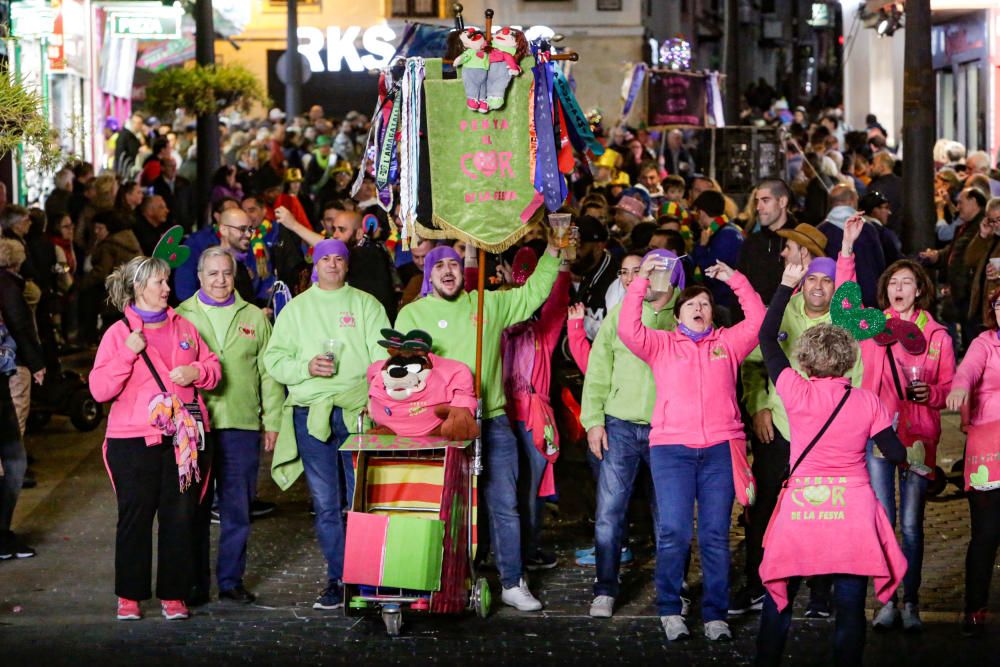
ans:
(58, 608)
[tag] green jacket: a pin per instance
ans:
(618, 383)
(758, 390)
(246, 392)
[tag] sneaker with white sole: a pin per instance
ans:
(717, 631)
(911, 618)
(675, 628)
(745, 601)
(603, 606)
(174, 610)
(520, 597)
(128, 610)
(887, 618)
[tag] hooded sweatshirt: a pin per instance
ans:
(868, 248)
(979, 374)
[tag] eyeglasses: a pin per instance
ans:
(628, 272)
(245, 229)
(993, 221)
(995, 304)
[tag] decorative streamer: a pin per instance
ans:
(409, 148)
(634, 86)
(580, 133)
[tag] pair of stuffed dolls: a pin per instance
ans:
(487, 70)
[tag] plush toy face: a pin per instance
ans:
(473, 39)
(404, 376)
(506, 39)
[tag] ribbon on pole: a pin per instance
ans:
(631, 87)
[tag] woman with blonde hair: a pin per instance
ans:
(150, 366)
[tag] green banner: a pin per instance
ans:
(480, 163)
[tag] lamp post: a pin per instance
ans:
(293, 87)
(919, 103)
(208, 124)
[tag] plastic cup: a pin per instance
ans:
(914, 376)
(659, 280)
(995, 263)
(331, 350)
(562, 230)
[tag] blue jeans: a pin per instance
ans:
(237, 457)
(531, 507)
(912, 500)
(331, 484)
(849, 592)
(499, 485)
(628, 447)
(682, 475)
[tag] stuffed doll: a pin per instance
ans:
(416, 393)
(475, 64)
(509, 46)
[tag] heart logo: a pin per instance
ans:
(847, 312)
(817, 495)
(169, 248)
(980, 478)
(486, 162)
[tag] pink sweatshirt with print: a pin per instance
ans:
(695, 382)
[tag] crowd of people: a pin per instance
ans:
(670, 285)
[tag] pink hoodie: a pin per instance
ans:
(979, 374)
(684, 370)
(122, 377)
(916, 421)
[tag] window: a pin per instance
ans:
(408, 8)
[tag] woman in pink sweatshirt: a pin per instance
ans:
(905, 291)
(695, 422)
(153, 473)
(976, 391)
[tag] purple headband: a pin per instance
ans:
(824, 266)
(328, 247)
(433, 257)
(677, 276)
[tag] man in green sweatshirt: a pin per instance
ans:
(771, 449)
(238, 333)
(616, 408)
(323, 342)
(448, 312)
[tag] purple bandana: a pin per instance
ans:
(432, 258)
(677, 275)
(329, 247)
(823, 266)
(209, 301)
(693, 335)
(150, 316)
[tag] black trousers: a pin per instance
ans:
(202, 537)
(984, 506)
(12, 457)
(147, 486)
(769, 463)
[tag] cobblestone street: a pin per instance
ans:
(57, 608)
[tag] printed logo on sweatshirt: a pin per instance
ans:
(934, 351)
(247, 330)
(811, 494)
(719, 352)
(186, 343)
(347, 319)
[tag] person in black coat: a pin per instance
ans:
(177, 194)
(760, 255)
(890, 186)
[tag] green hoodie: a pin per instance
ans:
(452, 325)
(618, 383)
(758, 390)
(245, 386)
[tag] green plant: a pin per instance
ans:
(202, 90)
(22, 124)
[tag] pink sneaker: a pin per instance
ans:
(174, 610)
(128, 610)
(472, 104)
(483, 106)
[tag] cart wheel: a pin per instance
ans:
(84, 411)
(938, 484)
(393, 619)
(38, 420)
(481, 597)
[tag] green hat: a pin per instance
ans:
(323, 140)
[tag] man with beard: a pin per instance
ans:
(449, 313)
(760, 255)
(235, 231)
(770, 432)
(281, 255)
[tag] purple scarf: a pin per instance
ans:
(694, 335)
(433, 257)
(150, 316)
(209, 301)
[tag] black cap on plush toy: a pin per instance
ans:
(416, 340)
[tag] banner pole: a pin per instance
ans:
(477, 452)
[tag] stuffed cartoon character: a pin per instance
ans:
(475, 64)
(509, 46)
(416, 393)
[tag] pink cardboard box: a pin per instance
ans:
(364, 549)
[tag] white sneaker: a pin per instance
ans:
(886, 618)
(520, 597)
(603, 606)
(717, 631)
(685, 605)
(911, 618)
(675, 627)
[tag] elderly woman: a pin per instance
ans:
(828, 520)
(976, 388)
(912, 386)
(694, 424)
(151, 354)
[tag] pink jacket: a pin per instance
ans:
(579, 346)
(916, 421)
(122, 377)
(979, 374)
(695, 382)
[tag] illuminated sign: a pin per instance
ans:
(146, 26)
